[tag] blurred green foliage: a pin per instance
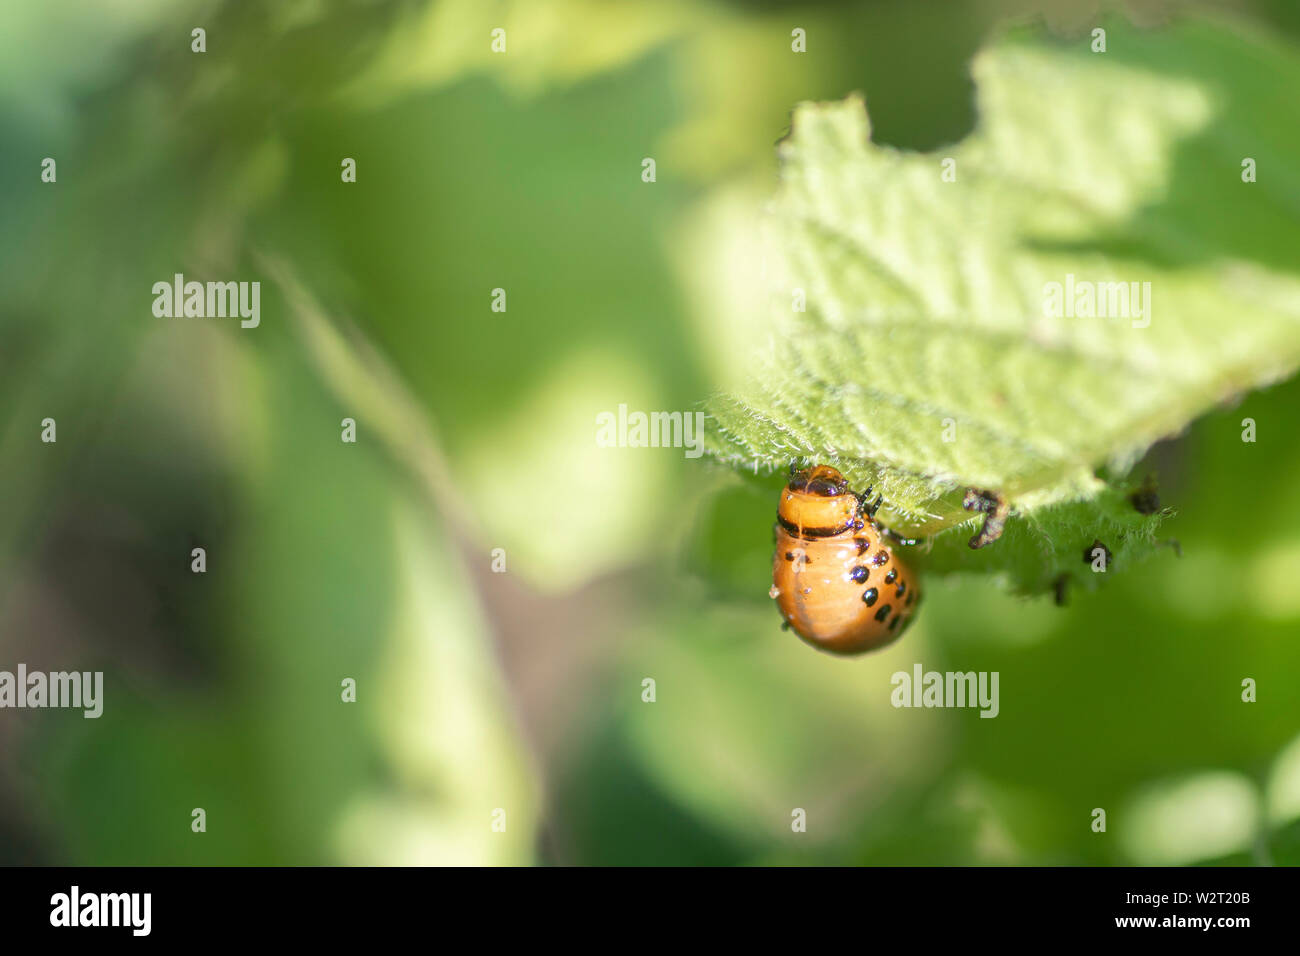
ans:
(523, 691)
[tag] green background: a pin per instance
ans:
(523, 691)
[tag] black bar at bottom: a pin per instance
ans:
(302, 905)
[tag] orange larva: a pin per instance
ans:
(835, 579)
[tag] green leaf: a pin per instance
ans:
(928, 359)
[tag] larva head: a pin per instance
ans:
(817, 503)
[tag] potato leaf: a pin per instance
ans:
(1025, 313)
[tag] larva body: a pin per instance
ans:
(836, 580)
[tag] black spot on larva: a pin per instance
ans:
(823, 488)
(893, 625)
(879, 558)
(870, 595)
(863, 544)
(857, 526)
(789, 555)
(911, 596)
(902, 587)
(858, 574)
(785, 625)
(884, 612)
(892, 576)
(821, 485)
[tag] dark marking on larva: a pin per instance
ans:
(911, 596)
(893, 625)
(902, 587)
(858, 574)
(812, 483)
(884, 612)
(824, 489)
(892, 576)
(879, 558)
(864, 544)
(870, 595)
(785, 625)
(789, 555)
(805, 532)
